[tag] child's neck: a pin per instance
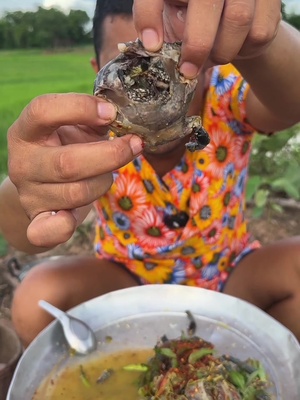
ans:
(165, 162)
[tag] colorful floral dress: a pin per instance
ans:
(187, 227)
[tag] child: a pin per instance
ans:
(170, 216)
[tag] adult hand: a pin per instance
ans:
(217, 31)
(59, 163)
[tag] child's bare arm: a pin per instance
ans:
(274, 78)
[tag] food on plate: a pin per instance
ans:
(185, 368)
(179, 369)
(188, 369)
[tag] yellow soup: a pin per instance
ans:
(79, 382)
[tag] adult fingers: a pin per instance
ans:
(51, 229)
(81, 134)
(76, 162)
(202, 22)
(264, 27)
(148, 21)
(46, 113)
(65, 196)
(234, 28)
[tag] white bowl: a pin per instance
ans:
(139, 316)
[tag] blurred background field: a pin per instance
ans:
(29, 73)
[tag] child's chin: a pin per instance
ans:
(164, 148)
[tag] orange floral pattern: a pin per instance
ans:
(189, 226)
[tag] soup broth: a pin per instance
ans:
(79, 381)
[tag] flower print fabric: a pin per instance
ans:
(187, 227)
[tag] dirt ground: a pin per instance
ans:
(268, 228)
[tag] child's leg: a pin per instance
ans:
(270, 279)
(65, 282)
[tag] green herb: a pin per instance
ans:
(136, 367)
(165, 351)
(237, 379)
(250, 393)
(84, 377)
(258, 373)
(196, 355)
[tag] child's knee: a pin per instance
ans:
(28, 318)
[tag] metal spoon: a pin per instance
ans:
(78, 334)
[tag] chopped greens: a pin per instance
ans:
(196, 355)
(135, 367)
(84, 377)
(186, 369)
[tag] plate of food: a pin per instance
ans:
(164, 342)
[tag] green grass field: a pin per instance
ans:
(26, 74)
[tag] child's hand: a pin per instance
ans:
(58, 162)
(217, 31)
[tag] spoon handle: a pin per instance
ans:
(55, 312)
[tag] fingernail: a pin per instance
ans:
(106, 111)
(136, 144)
(150, 39)
(189, 70)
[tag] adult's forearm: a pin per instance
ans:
(274, 76)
